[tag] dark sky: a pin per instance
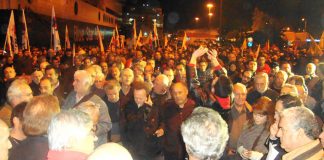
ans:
(237, 14)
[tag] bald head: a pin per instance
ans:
(110, 151)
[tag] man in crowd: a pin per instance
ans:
(311, 78)
(177, 110)
(261, 83)
(205, 134)
(82, 93)
(5, 144)
(279, 80)
(298, 133)
(34, 85)
(70, 136)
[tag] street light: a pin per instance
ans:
(210, 5)
(210, 14)
(305, 23)
(197, 19)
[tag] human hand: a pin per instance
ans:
(212, 56)
(159, 132)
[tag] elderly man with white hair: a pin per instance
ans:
(70, 136)
(205, 134)
(5, 144)
(82, 92)
(160, 91)
(298, 133)
(18, 91)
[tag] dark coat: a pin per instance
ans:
(32, 148)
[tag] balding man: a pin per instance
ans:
(279, 80)
(5, 144)
(110, 151)
(160, 92)
(82, 92)
(311, 78)
(240, 113)
(177, 110)
(298, 133)
(261, 88)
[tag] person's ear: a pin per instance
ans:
(16, 121)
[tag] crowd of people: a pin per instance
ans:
(209, 101)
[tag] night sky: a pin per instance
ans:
(238, 14)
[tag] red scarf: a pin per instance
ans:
(225, 103)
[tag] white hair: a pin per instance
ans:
(110, 151)
(86, 76)
(304, 118)
(291, 88)
(17, 89)
(67, 128)
(164, 79)
(205, 134)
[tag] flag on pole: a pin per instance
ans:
(55, 33)
(138, 42)
(322, 41)
(112, 40)
(100, 40)
(11, 38)
(184, 41)
(267, 45)
(244, 44)
(155, 34)
(150, 40)
(165, 40)
(122, 41)
(314, 48)
(25, 38)
(117, 37)
(67, 38)
(73, 54)
(134, 33)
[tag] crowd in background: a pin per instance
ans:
(160, 103)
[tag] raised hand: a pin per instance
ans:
(212, 56)
(198, 53)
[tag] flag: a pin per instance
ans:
(322, 41)
(244, 44)
(314, 48)
(11, 38)
(73, 54)
(117, 37)
(67, 38)
(55, 33)
(134, 32)
(122, 41)
(138, 42)
(150, 40)
(155, 34)
(165, 40)
(112, 40)
(100, 40)
(184, 41)
(267, 45)
(25, 38)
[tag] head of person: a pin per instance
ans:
(179, 92)
(170, 74)
(205, 134)
(261, 61)
(141, 92)
(310, 69)
(115, 72)
(52, 74)
(161, 84)
(19, 91)
(37, 76)
(138, 69)
(320, 70)
(110, 151)
(240, 93)
(95, 71)
(296, 80)
(180, 70)
(285, 66)
(148, 69)
(289, 89)
(45, 86)
(263, 112)
(231, 57)
(203, 65)
(38, 114)
(284, 102)
(280, 78)
(321, 136)
(252, 65)
(223, 87)
(261, 82)
(297, 127)
(5, 144)
(43, 66)
(127, 76)
(247, 76)
(82, 82)
(92, 109)
(104, 67)
(151, 62)
(112, 88)
(16, 117)
(274, 67)
(9, 73)
(71, 130)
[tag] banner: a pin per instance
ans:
(25, 38)
(11, 38)
(55, 33)
(100, 40)
(184, 42)
(67, 38)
